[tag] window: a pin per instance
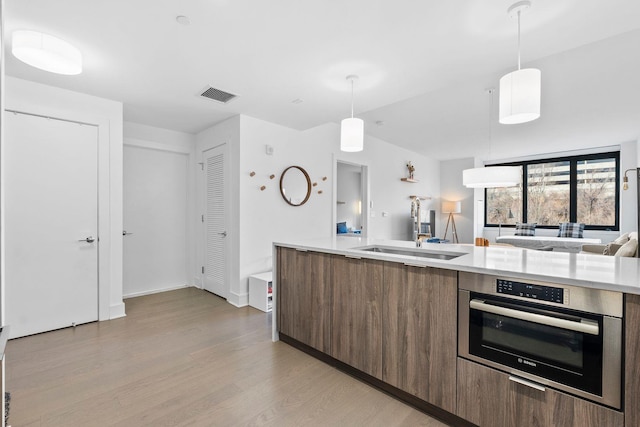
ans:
(569, 189)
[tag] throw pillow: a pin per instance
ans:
(622, 239)
(525, 229)
(571, 229)
(611, 248)
(342, 228)
(628, 249)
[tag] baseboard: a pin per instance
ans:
(116, 311)
(239, 300)
(154, 291)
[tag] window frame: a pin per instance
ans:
(573, 188)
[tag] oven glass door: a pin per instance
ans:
(560, 345)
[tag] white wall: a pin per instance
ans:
(451, 188)
(159, 186)
(258, 218)
(35, 98)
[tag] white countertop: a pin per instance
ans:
(588, 270)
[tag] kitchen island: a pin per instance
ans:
(388, 315)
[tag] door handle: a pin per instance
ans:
(585, 326)
(526, 383)
(223, 234)
(124, 233)
(89, 239)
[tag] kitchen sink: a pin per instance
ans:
(422, 253)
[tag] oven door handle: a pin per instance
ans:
(584, 326)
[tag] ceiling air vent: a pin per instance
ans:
(217, 94)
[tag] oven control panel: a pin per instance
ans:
(527, 290)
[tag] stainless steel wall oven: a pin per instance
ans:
(544, 334)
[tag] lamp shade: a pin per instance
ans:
(352, 135)
(46, 52)
(520, 96)
(451, 207)
(496, 176)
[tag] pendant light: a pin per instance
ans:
(352, 129)
(493, 176)
(520, 89)
(46, 52)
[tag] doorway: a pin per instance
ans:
(51, 223)
(351, 199)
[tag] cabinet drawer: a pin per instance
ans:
(487, 397)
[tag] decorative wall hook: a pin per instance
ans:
(263, 187)
(315, 183)
(252, 174)
(272, 176)
(319, 191)
(324, 178)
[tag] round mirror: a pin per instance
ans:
(295, 185)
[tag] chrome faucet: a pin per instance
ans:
(418, 225)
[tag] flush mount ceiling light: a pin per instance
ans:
(352, 129)
(520, 89)
(46, 52)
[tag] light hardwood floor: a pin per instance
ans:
(186, 358)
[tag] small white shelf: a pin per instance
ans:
(261, 291)
(409, 180)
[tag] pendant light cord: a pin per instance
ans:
(352, 98)
(518, 40)
(490, 120)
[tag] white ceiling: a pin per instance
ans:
(424, 65)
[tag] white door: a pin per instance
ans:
(51, 223)
(214, 221)
(155, 219)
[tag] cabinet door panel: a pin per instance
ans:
(304, 297)
(419, 332)
(357, 313)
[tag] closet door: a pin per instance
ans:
(214, 221)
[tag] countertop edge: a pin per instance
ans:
(467, 263)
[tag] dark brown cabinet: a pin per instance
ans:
(487, 397)
(304, 297)
(356, 336)
(419, 332)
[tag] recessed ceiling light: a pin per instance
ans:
(183, 20)
(46, 52)
(379, 123)
(297, 101)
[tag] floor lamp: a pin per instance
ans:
(451, 208)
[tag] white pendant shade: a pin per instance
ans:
(46, 52)
(491, 177)
(352, 135)
(520, 96)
